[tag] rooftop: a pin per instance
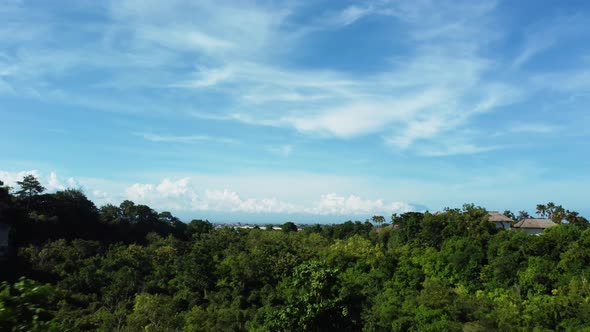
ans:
(496, 216)
(534, 223)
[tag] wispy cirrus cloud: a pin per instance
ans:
(185, 138)
(308, 86)
(535, 44)
(156, 57)
(453, 149)
(542, 36)
(421, 97)
(234, 44)
(222, 28)
(346, 16)
(533, 128)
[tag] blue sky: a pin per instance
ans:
(299, 110)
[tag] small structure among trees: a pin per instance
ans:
(534, 226)
(500, 220)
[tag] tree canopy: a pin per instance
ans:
(127, 267)
(29, 186)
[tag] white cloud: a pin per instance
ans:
(11, 178)
(365, 117)
(334, 204)
(533, 128)
(186, 139)
(183, 38)
(218, 27)
(544, 35)
(139, 191)
(290, 193)
(237, 47)
(207, 77)
(346, 16)
(182, 195)
(255, 78)
(52, 182)
(452, 149)
(230, 201)
(418, 129)
(246, 56)
(167, 193)
(438, 89)
(441, 20)
(534, 45)
(100, 195)
(173, 188)
(442, 81)
(260, 97)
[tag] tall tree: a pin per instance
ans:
(4, 192)
(552, 211)
(29, 187)
(542, 210)
(289, 227)
(558, 214)
(379, 220)
(523, 215)
(509, 214)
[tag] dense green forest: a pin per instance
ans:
(74, 267)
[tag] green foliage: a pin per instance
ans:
(4, 193)
(379, 220)
(198, 227)
(26, 305)
(29, 186)
(130, 268)
(310, 300)
(507, 253)
(153, 312)
(289, 227)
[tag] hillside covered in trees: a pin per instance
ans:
(72, 266)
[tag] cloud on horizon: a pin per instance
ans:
(182, 196)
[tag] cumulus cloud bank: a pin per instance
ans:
(181, 195)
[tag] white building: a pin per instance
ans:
(500, 220)
(534, 226)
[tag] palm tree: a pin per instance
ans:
(558, 214)
(509, 214)
(523, 215)
(550, 208)
(542, 210)
(572, 216)
(379, 220)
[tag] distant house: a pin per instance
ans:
(500, 220)
(4, 230)
(534, 226)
